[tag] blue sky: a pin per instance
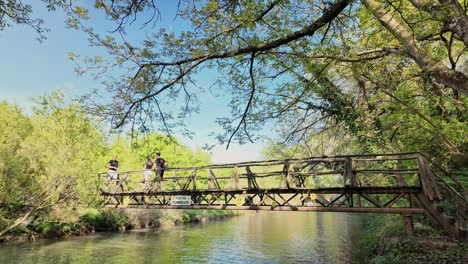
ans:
(29, 69)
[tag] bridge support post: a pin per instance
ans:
(408, 223)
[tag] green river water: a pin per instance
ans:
(267, 237)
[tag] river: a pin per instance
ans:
(266, 237)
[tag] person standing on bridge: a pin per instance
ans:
(159, 164)
(148, 167)
(113, 166)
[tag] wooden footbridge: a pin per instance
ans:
(404, 183)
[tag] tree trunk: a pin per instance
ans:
(441, 73)
(17, 222)
(449, 12)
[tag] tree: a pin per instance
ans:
(47, 161)
(280, 58)
(20, 12)
(301, 64)
(133, 150)
(16, 12)
(68, 144)
(22, 194)
(14, 167)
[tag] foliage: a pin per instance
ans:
(175, 154)
(191, 216)
(54, 160)
(57, 228)
(114, 219)
(133, 150)
(306, 65)
(49, 161)
(66, 143)
(376, 228)
(106, 219)
(385, 242)
(16, 12)
(14, 167)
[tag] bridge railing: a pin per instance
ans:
(445, 188)
(318, 173)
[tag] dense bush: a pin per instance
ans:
(106, 219)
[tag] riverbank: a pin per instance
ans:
(386, 242)
(91, 220)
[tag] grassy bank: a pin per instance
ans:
(92, 220)
(386, 242)
(122, 219)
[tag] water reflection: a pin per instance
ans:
(271, 237)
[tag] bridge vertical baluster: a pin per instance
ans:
(249, 176)
(187, 182)
(210, 178)
(401, 182)
(354, 183)
(174, 181)
(236, 177)
(398, 178)
(213, 180)
(300, 180)
(290, 177)
(284, 181)
(251, 182)
(350, 175)
(194, 178)
(234, 182)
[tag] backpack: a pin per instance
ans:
(161, 162)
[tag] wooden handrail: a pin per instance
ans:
(335, 158)
(445, 172)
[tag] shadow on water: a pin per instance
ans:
(267, 237)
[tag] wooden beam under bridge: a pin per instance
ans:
(283, 208)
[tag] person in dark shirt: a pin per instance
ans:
(113, 166)
(159, 164)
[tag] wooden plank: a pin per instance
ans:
(441, 218)
(194, 179)
(284, 174)
(426, 186)
(386, 159)
(433, 182)
(285, 208)
(389, 171)
(371, 200)
(335, 190)
(347, 171)
(214, 179)
(334, 200)
(394, 200)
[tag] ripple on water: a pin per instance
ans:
(276, 237)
